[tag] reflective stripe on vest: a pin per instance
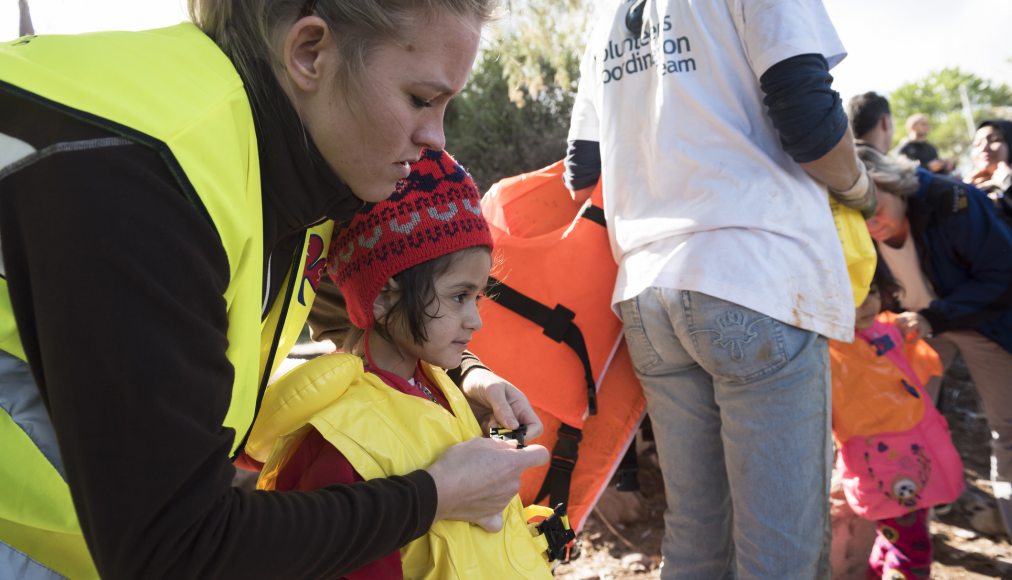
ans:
(194, 112)
(15, 564)
(384, 432)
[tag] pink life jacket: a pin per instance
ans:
(895, 451)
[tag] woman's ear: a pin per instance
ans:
(386, 299)
(309, 54)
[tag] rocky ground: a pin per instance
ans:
(622, 538)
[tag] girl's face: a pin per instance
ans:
(868, 310)
(453, 317)
(890, 219)
(989, 147)
(369, 132)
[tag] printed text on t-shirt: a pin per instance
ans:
(629, 56)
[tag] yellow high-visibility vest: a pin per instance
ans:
(173, 90)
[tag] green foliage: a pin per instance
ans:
(494, 138)
(938, 96)
(513, 115)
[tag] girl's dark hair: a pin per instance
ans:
(417, 294)
(887, 285)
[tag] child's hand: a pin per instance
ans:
(496, 402)
(913, 326)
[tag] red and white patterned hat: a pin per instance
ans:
(434, 212)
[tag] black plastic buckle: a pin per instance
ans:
(557, 533)
(505, 434)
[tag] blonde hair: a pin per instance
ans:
(893, 175)
(250, 31)
(913, 119)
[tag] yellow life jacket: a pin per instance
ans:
(565, 348)
(384, 432)
(190, 107)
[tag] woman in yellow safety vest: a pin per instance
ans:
(166, 201)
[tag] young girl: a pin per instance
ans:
(895, 451)
(411, 270)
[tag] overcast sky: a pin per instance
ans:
(890, 42)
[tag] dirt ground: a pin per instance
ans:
(612, 548)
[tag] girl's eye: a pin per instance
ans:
(420, 103)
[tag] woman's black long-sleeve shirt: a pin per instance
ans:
(116, 283)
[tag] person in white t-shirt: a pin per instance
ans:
(713, 126)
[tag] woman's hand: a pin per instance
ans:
(496, 402)
(913, 326)
(477, 478)
(980, 176)
(1001, 177)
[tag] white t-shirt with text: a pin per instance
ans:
(698, 192)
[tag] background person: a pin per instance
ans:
(175, 190)
(952, 255)
(992, 160)
(730, 269)
(915, 146)
(871, 120)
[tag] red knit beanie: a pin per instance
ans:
(434, 212)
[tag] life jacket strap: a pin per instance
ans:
(556, 323)
(628, 470)
(560, 470)
(595, 214)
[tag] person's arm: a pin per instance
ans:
(117, 285)
(835, 168)
(583, 154)
(975, 237)
(809, 118)
(583, 168)
(328, 317)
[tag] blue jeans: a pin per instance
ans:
(740, 406)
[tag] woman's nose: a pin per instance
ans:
(430, 134)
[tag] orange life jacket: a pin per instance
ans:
(868, 392)
(550, 330)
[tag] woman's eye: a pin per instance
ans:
(420, 102)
